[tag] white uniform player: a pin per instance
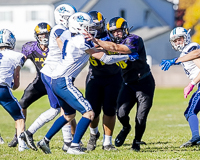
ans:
(62, 14)
(75, 55)
(181, 41)
(10, 64)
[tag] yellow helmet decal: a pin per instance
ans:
(108, 26)
(119, 22)
(48, 28)
(99, 16)
(37, 29)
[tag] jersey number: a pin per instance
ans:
(94, 62)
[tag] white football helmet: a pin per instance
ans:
(62, 14)
(177, 33)
(7, 39)
(80, 21)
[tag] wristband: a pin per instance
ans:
(193, 83)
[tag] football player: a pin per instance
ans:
(62, 14)
(75, 55)
(36, 51)
(138, 83)
(181, 41)
(10, 65)
(102, 87)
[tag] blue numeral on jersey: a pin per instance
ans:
(1, 55)
(64, 53)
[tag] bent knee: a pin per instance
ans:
(69, 117)
(89, 115)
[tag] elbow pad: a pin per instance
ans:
(110, 59)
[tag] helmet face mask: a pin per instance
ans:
(117, 23)
(79, 22)
(41, 33)
(7, 39)
(177, 33)
(62, 14)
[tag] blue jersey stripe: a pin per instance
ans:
(58, 32)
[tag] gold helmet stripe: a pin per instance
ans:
(37, 29)
(119, 22)
(48, 28)
(108, 26)
(99, 16)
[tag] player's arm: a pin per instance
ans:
(108, 59)
(190, 56)
(196, 80)
(60, 43)
(107, 45)
(16, 76)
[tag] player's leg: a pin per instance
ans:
(63, 87)
(125, 102)
(44, 117)
(111, 90)
(33, 92)
(145, 92)
(94, 94)
(10, 104)
(191, 116)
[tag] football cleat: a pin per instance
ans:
(44, 146)
(192, 142)
(109, 147)
(1, 140)
(75, 150)
(14, 142)
(122, 136)
(136, 145)
(29, 140)
(22, 148)
(92, 142)
(66, 146)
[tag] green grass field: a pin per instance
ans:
(166, 130)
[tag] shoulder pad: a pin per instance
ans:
(190, 47)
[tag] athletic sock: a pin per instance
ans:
(94, 131)
(66, 131)
(107, 140)
(194, 125)
(80, 129)
(58, 124)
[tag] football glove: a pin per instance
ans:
(133, 56)
(188, 89)
(167, 63)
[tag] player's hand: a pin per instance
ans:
(188, 89)
(167, 63)
(133, 56)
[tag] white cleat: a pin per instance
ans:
(75, 150)
(22, 148)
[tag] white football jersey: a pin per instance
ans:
(9, 60)
(74, 57)
(54, 54)
(190, 67)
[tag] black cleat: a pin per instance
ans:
(92, 142)
(109, 147)
(29, 140)
(122, 136)
(13, 143)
